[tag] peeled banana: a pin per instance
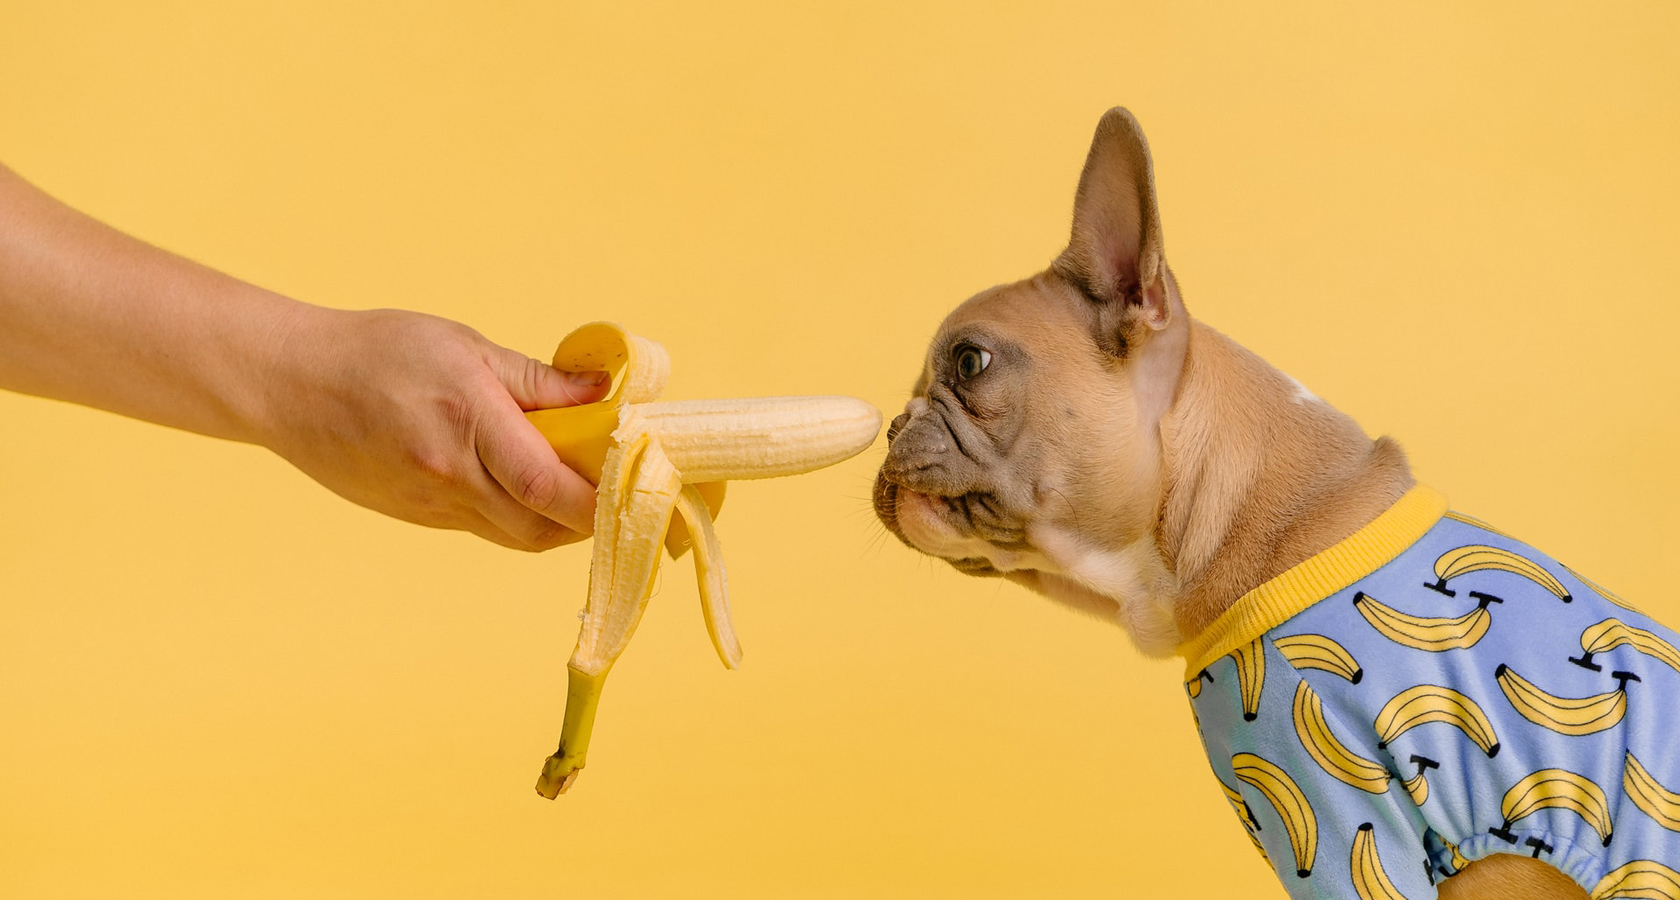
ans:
(659, 470)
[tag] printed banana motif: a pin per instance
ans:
(1194, 685)
(1649, 795)
(1246, 814)
(1427, 632)
(1427, 703)
(659, 470)
(1417, 786)
(1369, 879)
(1444, 857)
(1642, 879)
(1555, 789)
(1240, 806)
(1458, 862)
(1251, 677)
(1563, 715)
(1285, 796)
(1612, 633)
(1479, 558)
(1330, 753)
(1315, 651)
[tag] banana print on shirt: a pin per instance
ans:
(1429, 692)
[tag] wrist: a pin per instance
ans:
(271, 366)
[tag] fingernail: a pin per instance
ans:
(586, 379)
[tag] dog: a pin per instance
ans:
(1398, 701)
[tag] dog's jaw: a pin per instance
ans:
(1129, 586)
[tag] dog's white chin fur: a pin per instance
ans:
(1129, 585)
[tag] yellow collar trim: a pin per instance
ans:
(1355, 556)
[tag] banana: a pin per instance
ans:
(1418, 786)
(1648, 794)
(1612, 633)
(1292, 807)
(1369, 879)
(1642, 879)
(1563, 715)
(1315, 651)
(1556, 789)
(1458, 861)
(1251, 677)
(1246, 815)
(1444, 857)
(1330, 753)
(1427, 632)
(1194, 685)
(1240, 806)
(659, 470)
(1427, 703)
(1479, 557)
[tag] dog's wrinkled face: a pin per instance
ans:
(1021, 440)
(1031, 446)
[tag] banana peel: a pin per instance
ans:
(660, 470)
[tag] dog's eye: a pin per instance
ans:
(971, 361)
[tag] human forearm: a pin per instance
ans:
(412, 415)
(93, 316)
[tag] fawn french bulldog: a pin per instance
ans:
(1397, 700)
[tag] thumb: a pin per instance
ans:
(537, 385)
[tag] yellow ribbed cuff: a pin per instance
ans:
(1311, 580)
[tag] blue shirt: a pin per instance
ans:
(1429, 692)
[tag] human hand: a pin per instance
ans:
(421, 418)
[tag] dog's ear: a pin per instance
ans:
(1115, 255)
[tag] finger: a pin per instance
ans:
(526, 528)
(494, 533)
(519, 459)
(536, 385)
(491, 532)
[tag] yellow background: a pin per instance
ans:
(219, 680)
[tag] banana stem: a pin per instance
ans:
(583, 696)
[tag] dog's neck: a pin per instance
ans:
(1259, 475)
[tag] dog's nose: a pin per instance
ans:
(897, 425)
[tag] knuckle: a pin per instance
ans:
(537, 487)
(458, 411)
(434, 466)
(531, 376)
